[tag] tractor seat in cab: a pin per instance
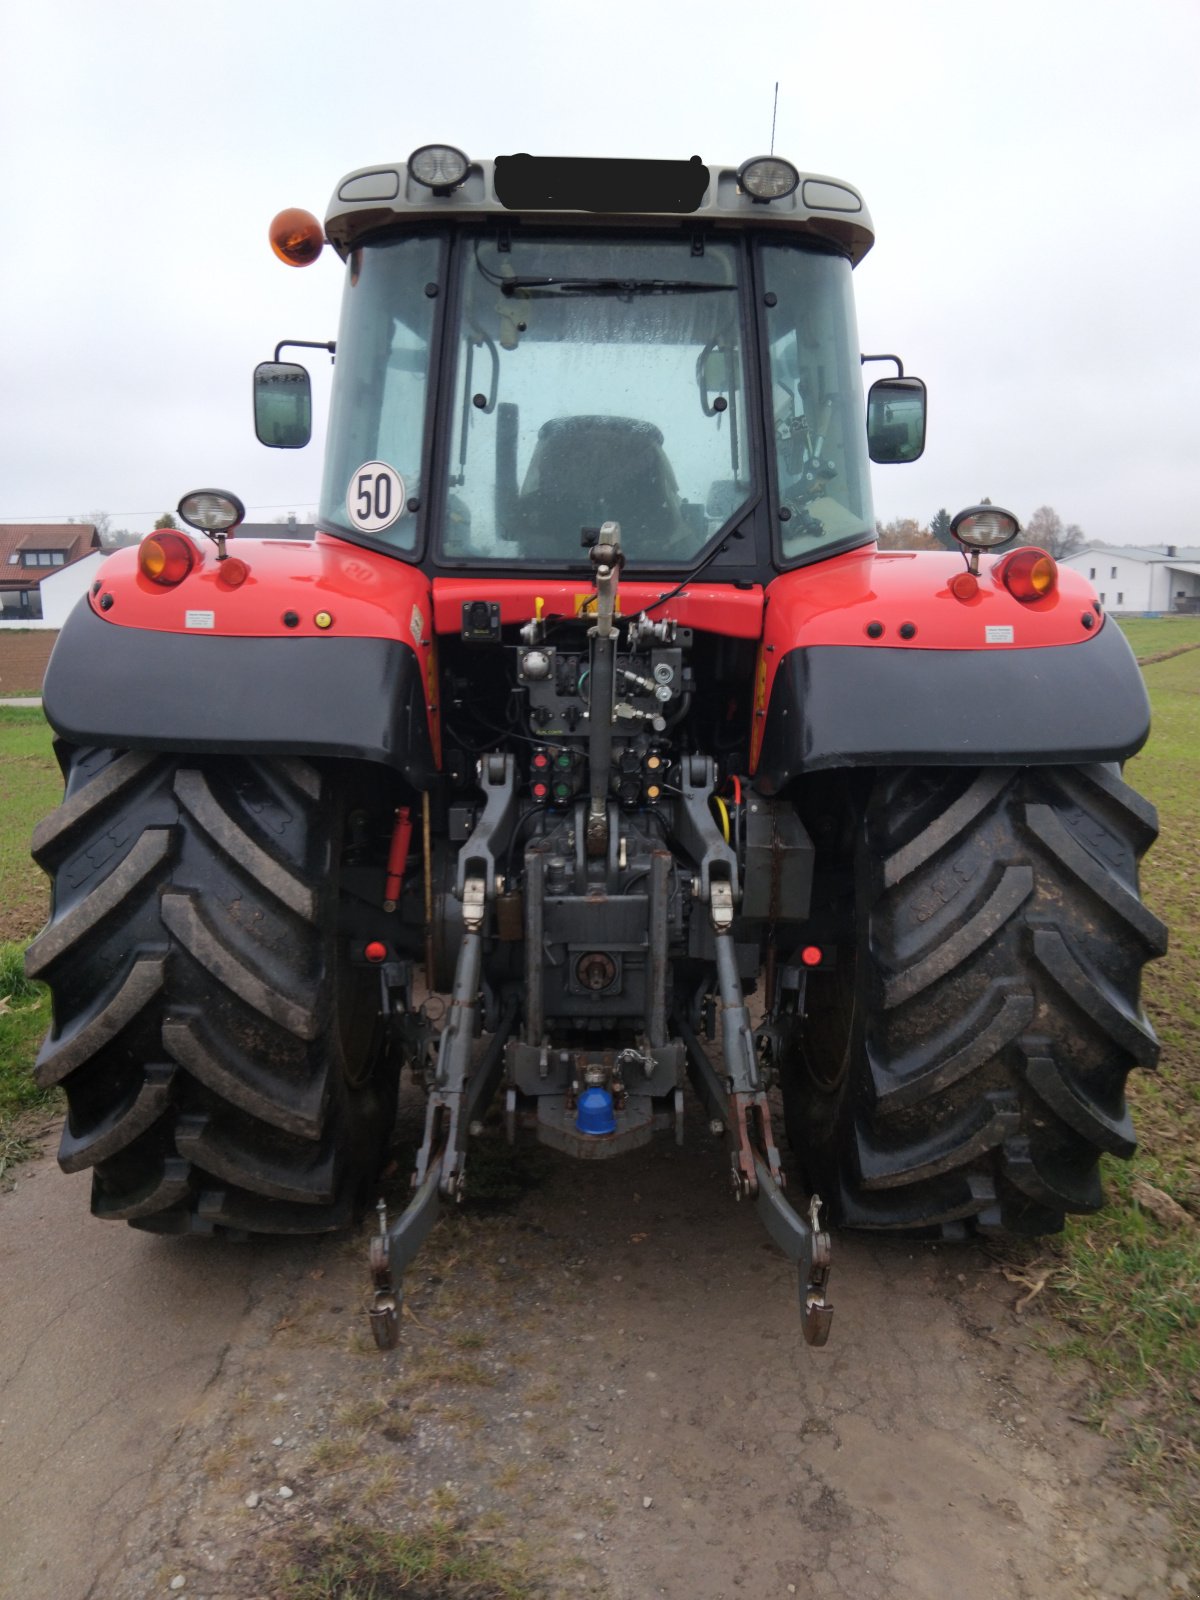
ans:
(588, 470)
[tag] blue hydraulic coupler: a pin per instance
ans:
(596, 1115)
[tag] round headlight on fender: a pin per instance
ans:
(213, 511)
(984, 527)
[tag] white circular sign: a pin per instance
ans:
(375, 497)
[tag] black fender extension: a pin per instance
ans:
(863, 706)
(133, 688)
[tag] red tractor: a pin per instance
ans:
(591, 710)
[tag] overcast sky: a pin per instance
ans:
(1031, 168)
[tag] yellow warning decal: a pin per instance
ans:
(585, 604)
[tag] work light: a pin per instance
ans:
(984, 527)
(439, 167)
(213, 511)
(767, 178)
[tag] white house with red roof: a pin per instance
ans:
(45, 567)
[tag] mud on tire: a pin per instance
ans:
(965, 1068)
(222, 1064)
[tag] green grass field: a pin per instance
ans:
(1125, 1284)
(1152, 635)
(32, 788)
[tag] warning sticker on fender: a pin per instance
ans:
(585, 604)
(998, 633)
(199, 619)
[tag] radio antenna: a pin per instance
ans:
(774, 109)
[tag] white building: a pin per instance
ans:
(38, 559)
(62, 590)
(1155, 579)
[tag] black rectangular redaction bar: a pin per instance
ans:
(584, 183)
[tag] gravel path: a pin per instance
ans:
(609, 1370)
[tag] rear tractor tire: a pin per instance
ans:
(222, 1062)
(964, 1067)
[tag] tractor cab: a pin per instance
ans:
(514, 367)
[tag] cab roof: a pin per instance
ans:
(587, 190)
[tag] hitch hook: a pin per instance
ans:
(816, 1317)
(384, 1311)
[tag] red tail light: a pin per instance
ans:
(232, 572)
(166, 558)
(1028, 574)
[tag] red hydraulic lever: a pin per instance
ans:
(397, 856)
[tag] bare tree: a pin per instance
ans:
(110, 538)
(1045, 529)
(905, 533)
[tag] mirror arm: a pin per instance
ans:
(864, 359)
(306, 344)
(701, 381)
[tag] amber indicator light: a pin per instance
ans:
(1029, 574)
(166, 558)
(297, 237)
(323, 619)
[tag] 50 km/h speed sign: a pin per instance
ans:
(375, 497)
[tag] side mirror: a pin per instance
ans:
(282, 405)
(896, 419)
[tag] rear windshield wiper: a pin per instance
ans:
(614, 286)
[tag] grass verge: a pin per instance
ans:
(440, 1562)
(24, 1018)
(1124, 1285)
(32, 788)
